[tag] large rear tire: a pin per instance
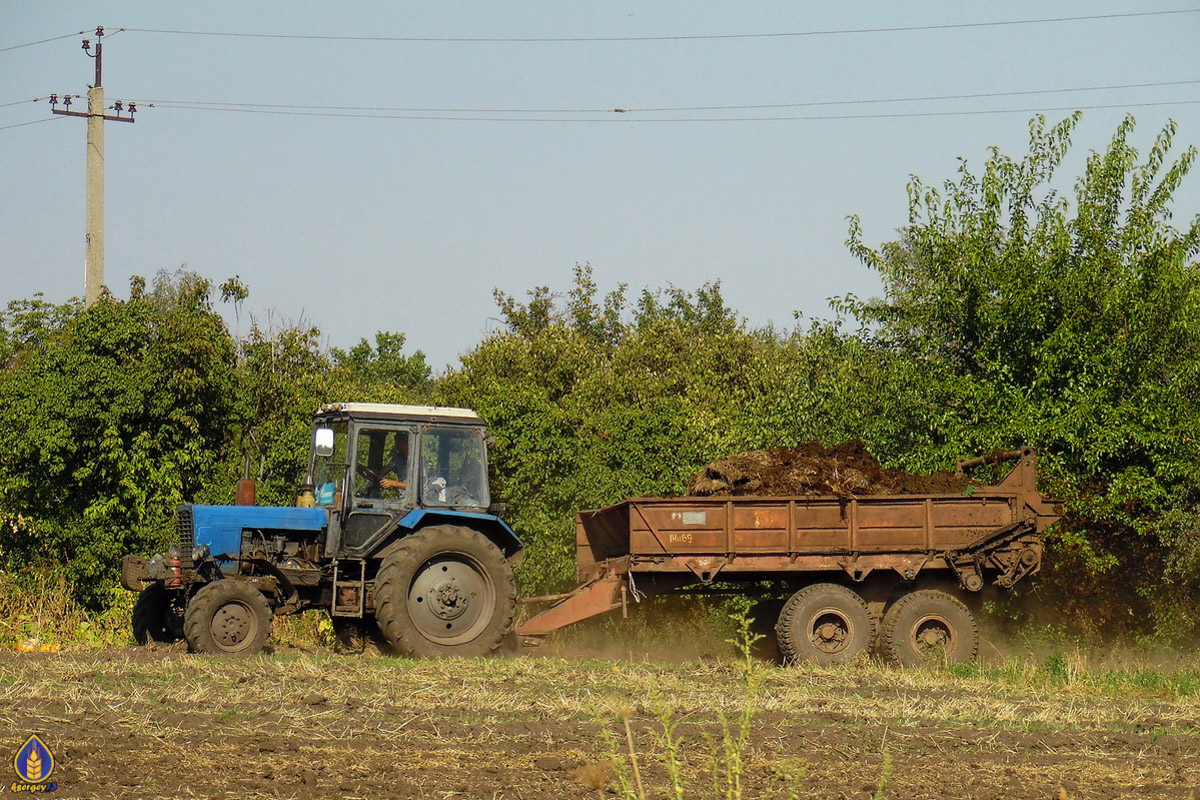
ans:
(826, 624)
(929, 628)
(445, 591)
(229, 617)
(153, 618)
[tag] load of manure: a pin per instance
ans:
(844, 470)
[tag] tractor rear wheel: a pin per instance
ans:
(153, 618)
(927, 628)
(826, 624)
(445, 591)
(229, 617)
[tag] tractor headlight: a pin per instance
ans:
(200, 552)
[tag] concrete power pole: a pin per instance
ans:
(93, 278)
(93, 261)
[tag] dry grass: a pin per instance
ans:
(557, 687)
(38, 608)
(303, 725)
(307, 721)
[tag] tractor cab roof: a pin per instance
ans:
(398, 413)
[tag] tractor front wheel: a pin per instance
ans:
(229, 617)
(445, 591)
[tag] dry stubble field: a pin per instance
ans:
(163, 723)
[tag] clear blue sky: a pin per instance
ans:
(358, 225)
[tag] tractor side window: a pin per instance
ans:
(329, 470)
(454, 468)
(381, 464)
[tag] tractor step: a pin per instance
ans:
(349, 596)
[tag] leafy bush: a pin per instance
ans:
(1071, 326)
(109, 418)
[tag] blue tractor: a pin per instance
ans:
(394, 525)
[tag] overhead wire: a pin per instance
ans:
(671, 37)
(924, 98)
(40, 41)
(21, 102)
(430, 113)
(34, 122)
(31, 122)
(680, 37)
(659, 109)
(634, 120)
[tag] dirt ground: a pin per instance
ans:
(844, 470)
(163, 723)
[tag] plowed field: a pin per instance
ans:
(162, 723)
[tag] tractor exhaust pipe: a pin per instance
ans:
(245, 493)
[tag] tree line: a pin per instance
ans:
(1013, 312)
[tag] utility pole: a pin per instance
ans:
(93, 270)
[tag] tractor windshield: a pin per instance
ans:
(454, 468)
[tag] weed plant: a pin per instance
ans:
(38, 608)
(308, 630)
(727, 758)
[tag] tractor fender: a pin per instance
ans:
(495, 529)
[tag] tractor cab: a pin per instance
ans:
(374, 466)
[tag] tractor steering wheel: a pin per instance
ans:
(374, 486)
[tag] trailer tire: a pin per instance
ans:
(445, 591)
(929, 627)
(152, 619)
(826, 624)
(229, 617)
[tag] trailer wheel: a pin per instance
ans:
(929, 627)
(445, 591)
(228, 616)
(153, 620)
(826, 624)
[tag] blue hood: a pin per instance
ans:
(220, 527)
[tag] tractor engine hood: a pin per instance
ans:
(221, 527)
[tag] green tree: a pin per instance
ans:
(372, 367)
(110, 416)
(282, 377)
(592, 400)
(1069, 324)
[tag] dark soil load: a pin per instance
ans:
(844, 470)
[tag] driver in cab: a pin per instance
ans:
(397, 465)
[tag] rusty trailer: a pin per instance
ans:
(882, 571)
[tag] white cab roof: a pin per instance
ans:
(396, 409)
